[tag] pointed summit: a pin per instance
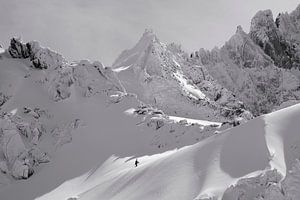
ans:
(296, 12)
(239, 29)
(147, 39)
(262, 19)
(130, 56)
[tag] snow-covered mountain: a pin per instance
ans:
(157, 73)
(259, 68)
(59, 118)
(54, 112)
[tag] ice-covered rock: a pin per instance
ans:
(18, 49)
(3, 99)
(20, 170)
(41, 58)
(243, 68)
(3, 167)
(2, 50)
(159, 75)
(63, 134)
(264, 186)
(20, 156)
(265, 33)
(60, 82)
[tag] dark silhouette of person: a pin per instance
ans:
(136, 162)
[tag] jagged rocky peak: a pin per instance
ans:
(288, 23)
(296, 12)
(147, 38)
(243, 51)
(40, 57)
(18, 49)
(262, 19)
(207, 57)
(264, 32)
(142, 47)
(239, 30)
(289, 26)
(238, 38)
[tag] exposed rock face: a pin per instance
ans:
(19, 161)
(248, 72)
(1, 50)
(265, 32)
(264, 186)
(41, 58)
(17, 49)
(3, 99)
(269, 185)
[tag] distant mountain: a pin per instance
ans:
(157, 73)
(261, 68)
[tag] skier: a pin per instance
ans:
(136, 163)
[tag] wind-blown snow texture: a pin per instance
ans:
(60, 118)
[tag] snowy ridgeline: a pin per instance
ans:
(257, 160)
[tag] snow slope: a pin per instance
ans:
(257, 159)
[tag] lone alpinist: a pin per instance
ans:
(136, 162)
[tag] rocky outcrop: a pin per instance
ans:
(89, 78)
(3, 99)
(265, 186)
(17, 49)
(86, 77)
(270, 185)
(264, 31)
(41, 58)
(19, 160)
(1, 50)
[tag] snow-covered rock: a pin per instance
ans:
(171, 131)
(266, 34)
(19, 158)
(41, 58)
(61, 77)
(1, 50)
(18, 49)
(159, 75)
(244, 69)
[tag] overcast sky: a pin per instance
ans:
(101, 29)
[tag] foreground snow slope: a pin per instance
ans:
(257, 158)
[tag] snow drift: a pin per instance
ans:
(256, 159)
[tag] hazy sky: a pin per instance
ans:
(101, 29)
